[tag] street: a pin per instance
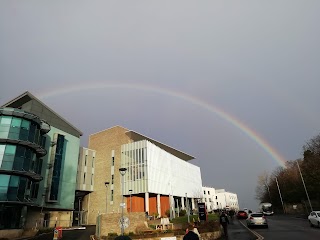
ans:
(286, 227)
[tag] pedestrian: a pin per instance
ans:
(191, 233)
(224, 221)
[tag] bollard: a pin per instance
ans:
(55, 234)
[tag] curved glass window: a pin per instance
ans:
(19, 129)
(16, 157)
(5, 120)
(12, 188)
(16, 122)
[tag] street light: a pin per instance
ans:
(122, 172)
(130, 191)
(79, 216)
(187, 208)
(106, 183)
(304, 185)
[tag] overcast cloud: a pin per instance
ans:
(161, 68)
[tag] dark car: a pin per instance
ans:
(242, 215)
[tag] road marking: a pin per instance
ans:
(259, 237)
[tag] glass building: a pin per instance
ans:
(39, 153)
(21, 151)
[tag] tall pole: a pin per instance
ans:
(280, 196)
(188, 212)
(106, 184)
(130, 200)
(305, 188)
(122, 172)
(79, 211)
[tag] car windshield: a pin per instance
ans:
(256, 215)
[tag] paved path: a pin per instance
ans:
(238, 232)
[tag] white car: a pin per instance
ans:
(257, 219)
(314, 218)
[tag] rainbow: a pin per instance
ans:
(191, 99)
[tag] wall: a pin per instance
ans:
(109, 223)
(104, 142)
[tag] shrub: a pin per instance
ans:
(167, 212)
(182, 212)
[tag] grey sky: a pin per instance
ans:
(256, 60)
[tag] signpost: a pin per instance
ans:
(202, 212)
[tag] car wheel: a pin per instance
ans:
(311, 225)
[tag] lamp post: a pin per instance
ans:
(130, 191)
(280, 196)
(187, 208)
(304, 185)
(79, 216)
(122, 172)
(106, 184)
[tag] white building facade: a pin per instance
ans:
(226, 200)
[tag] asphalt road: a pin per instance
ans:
(286, 227)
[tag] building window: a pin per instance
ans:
(111, 195)
(84, 178)
(208, 192)
(91, 179)
(85, 160)
(112, 179)
(92, 162)
(58, 159)
(204, 192)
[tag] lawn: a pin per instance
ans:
(184, 219)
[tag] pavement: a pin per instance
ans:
(236, 231)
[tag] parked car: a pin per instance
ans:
(314, 218)
(257, 219)
(242, 214)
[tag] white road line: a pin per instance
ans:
(259, 237)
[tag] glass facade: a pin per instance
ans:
(134, 157)
(21, 149)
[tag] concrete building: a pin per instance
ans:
(39, 153)
(216, 199)
(226, 200)
(157, 177)
(208, 197)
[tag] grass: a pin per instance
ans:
(184, 219)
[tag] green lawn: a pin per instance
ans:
(184, 219)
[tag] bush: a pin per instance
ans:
(168, 212)
(182, 212)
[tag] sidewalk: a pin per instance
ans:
(237, 231)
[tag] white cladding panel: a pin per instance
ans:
(168, 174)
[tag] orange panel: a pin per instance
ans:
(137, 204)
(164, 203)
(153, 204)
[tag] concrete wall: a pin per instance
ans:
(109, 223)
(11, 233)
